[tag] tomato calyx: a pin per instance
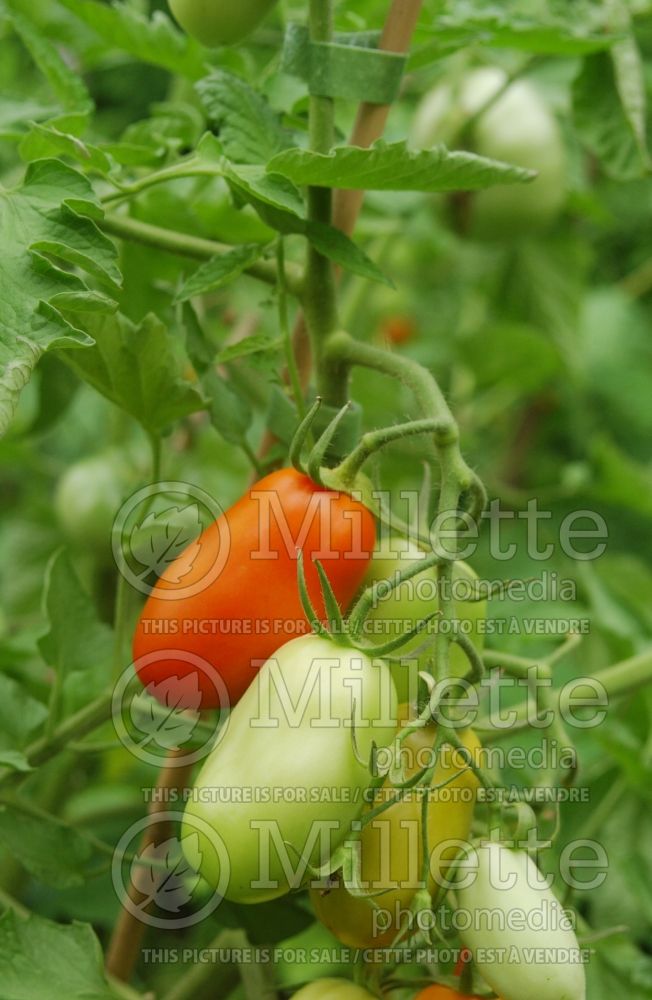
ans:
(348, 477)
(339, 630)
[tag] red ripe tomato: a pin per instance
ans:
(231, 598)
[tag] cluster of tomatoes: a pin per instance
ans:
(283, 800)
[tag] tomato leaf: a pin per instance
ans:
(54, 855)
(39, 958)
(156, 40)
(256, 344)
(138, 368)
(20, 717)
(78, 646)
(230, 411)
(249, 130)
(65, 83)
(49, 219)
(609, 111)
(395, 167)
(46, 140)
(500, 26)
(220, 270)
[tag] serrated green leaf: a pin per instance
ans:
(44, 140)
(39, 958)
(394, 167)
(77, 642)
(53, 855)
(250, 132)
(629, 74)
(15, 760)
(20, 716)
(230, 412)
(64, 81)
(602, 121)
(502, 27)
(335, 245)
(137, 367)
(14, 113)
(280, 205)
(154, 40)
(50, 216)
(275, 191)
(256, 344)
(219, 271)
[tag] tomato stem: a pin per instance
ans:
(284, 325)
(456, 478)
(320, 297)
(194, 247)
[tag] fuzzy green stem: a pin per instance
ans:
(618, 681)
(456, 478)
(373, 441)
(284, 324)
(192, 166)
(222, 977)
(74, 727)
(194, 247)
(320, 300)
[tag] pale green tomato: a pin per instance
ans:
(220, 22)
(284, 783)
(518, 128)
(413, 601)
(505, 884)
(89, 495)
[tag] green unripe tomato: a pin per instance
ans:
(413, 601)
(220, 22)
(88, 497)
(289, 746)
(502, 882)
(517, 128)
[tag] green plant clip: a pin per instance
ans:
(352, 67)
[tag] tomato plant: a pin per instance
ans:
(501, 121)
(295, 718)
(287, 289)
(237, 586)
(216, 22)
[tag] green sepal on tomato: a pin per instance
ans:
(220, 22)
(411, 602)
(231, 599)
(287, 780)
(391, 848)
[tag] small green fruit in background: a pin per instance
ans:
(518, 128)
(220, 22)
